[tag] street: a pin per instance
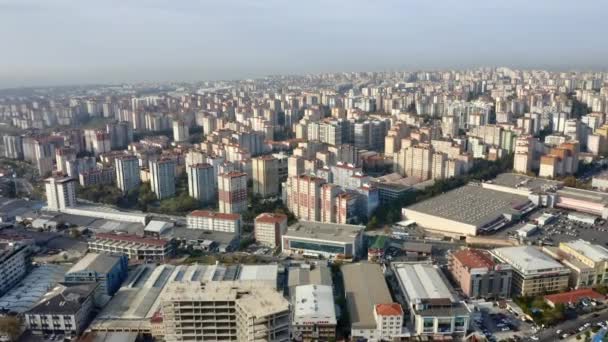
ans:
(550, 334)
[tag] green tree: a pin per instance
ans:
(11, 327)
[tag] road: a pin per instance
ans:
(550, 335)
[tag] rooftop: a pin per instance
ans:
(596, 253)
(392, 309)
(271, 218)
(474, 258)
(528, 259)
(519, 181)
(471, 204)
(216, 215)
(314, 302)
(324, 231)
(131, 238)
(584, 195)
(64, 300)
(317, 275)
(28, 292)
(422, 281)
(364, 287)
(573, 296)
(100, 263)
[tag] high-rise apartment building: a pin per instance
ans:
(127, 173)
(232, 192)
(304, 197)
(265, 176)
(162, 177)
(201, 183)
(180, 131)
(13, 146)
(60, 192)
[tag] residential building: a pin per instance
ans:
(269, 229)
(479, 275)
(304, 197)
(201, 182)
(265, 176)
(102, 176)
(162, 177)
(134, 247)
(109, 271)
(232, 192)
(60, 192)
(212, 221)
(433, 306)
(127, 173)
(180, 131)
(534, 272)
(13, 146)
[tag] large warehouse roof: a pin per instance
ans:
(422, 281)
(527, 259)
(324, 231)
(471, 204)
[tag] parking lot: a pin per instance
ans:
(499, 324)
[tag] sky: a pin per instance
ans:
(60, 42)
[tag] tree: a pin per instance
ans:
(11, 327)
(372, 224)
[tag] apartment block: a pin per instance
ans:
(212, 221)
(232, 192)
(269, 228)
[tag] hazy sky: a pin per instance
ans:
(44, 42)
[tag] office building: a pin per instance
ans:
(134, 247)
(314, 313)
(225, 311)
(232, 192)
(479, 275)
(269, 228)
(162, 177)
(433, 306)
(60, 192)
(201, 182)
(588, 262)
(109, 271)
(212, 221)
(265, 176)
(14, 265)
(127, 173)
(66, 310)
(534, 272)
(329, 240)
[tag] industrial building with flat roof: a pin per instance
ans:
(133, 246)
(434, 307)
(468, 210)
(314, 313)
(326, 239)
(534, 272)
(364, 288)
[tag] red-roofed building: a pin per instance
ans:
(479, 274)
(212, 221)
(135, 247)
(269, 228)
(573, 297)
(389, 320)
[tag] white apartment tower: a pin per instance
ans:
(162, 177)
(60, 192)
(127, 173)
(201, 183)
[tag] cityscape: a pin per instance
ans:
(395, 204)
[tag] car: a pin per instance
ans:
(505, 329)
(564, 335)
(559, 331)
(534, 338)
(581, 328)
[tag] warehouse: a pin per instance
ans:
(329, 240)
(468, 211)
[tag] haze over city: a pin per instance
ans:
(74, 42)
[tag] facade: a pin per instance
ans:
(162, 177)
(103, 176)
(212, 221)
(14, 265)
(13, 146)
(269, 228)
(127, 173)
(225, 311)
(304, 197)
(434, 308)
(60, 192)
(180, 131)
(588, 263)
(534, 272)
(389, 320)
(479, 275)
(265, 176)
(134, 247)
(106, 270)
(329, 240)
(201, 182)
(232, 192)
(314, 314)
(64, 310)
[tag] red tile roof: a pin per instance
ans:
(573, 296)
(392, 309)
(270, 218)
(474, 258)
